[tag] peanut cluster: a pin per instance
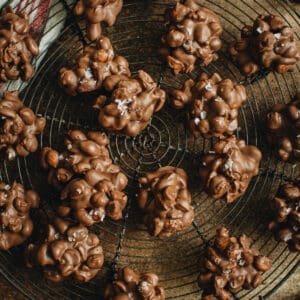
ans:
(227, 171)
(18, 127)
(17, 47)
(230, 264)
(166, 201)
(66, 251)
(132, 284)
(212, 105)
(193, 36)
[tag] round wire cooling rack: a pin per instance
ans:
(166, 141)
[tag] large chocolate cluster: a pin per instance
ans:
(286, 210)
(96, 12)
(92, 68)
(227, 171)
(230, 264)
(166, 201)
(193, 37)
(270, 43)
(17, 47)
(212, 104)
(283, 126)
(132, 284)
(66, 251)
(15, 221)
(18, 127)
(131, 105)
(91, 186)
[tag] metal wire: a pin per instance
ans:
(165, 142)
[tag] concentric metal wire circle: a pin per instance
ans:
(165, 142)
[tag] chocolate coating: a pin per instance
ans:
(16, 224)
(66, 251)
(92, 68)
(283, 130)
(193, 37)
(230, 264)
(212, 105)
(270, 43)
(17, 47)
(166, 201)
(286, 211)
(132, 103)
(133, 285)
(96, 12)
(91, 186)
(18, 127)
(227, 171)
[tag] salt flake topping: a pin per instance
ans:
(123, 105)
(208, 86)
(277, 36)
(196, 121)
(259, 30)
(88, 73)
(203, 115)
(228, 165)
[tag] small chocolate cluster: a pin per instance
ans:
(15, 222)
(66, 251)
(92, 68)
(212, 105)
(91, 186)
(227, 171)
(286, 209)
(132, 284)
(270, 43)
(96, 12)
(17, 47)
(283, 126)
(166, 201)
(193, 36)
(230, 264)
(131, 105)
(18, 127)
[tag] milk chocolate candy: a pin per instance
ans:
(228, 170)
(18, 127)
(212, 105)
(94, 65)
(66, 251)
(15, 221)
(17, 47)
(96, 12)
(131, 285)
(132, 103)
(229, 265)
(286, 215)
(166, 201)
(193, 37)
(270, 43)
(283, 130)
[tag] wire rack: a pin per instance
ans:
(166, 141)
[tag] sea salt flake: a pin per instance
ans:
(11, 155)
(259, 30)
(88, 73)
(203, 115)
(195, 44)
(277, 36)
(123, 106)
(78, 191)
(7, 187)
(143, 285)
(204, 163)
(196, 121)
(241, 262)
(228, 165)
(287, 237)
(56, 236)
(218, 99)
(69, 146)
(211, 152)
(71, 239)
(208, 86)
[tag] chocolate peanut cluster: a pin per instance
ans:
(91, 186)
(212, 105)
(15, 221)
(283, 126)
(227, 171)
(96, 12)
(230, 264)
(131, 105)
(193, 37)
(270, 43)
(18, 127)
(66, 251)
(17, 47)
(132, 284)
(92, 68)
(166, 201)
(286, 210)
